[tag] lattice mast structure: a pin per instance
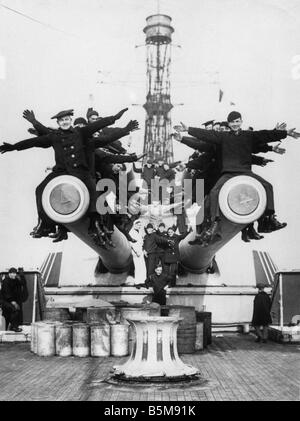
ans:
(158, 106)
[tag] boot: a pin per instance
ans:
(196, 241)
(252, 234)
(16, 329)
(42, 230)
(61, 235)
(34, 229)
(54, 234)
(100, 235)
(245, 235)
(108, 233)
(275, 225)
(208, 235)
(110, 243)
(258, 339)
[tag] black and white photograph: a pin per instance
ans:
(149, 203)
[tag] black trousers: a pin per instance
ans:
(214, 194)
(83, 176)
(151, 263)
(161, 258)
(11, 315)
(159, 297)
(172, 269)
(181, 222)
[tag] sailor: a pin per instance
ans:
(224, 126)
(237, 147)
(92, 115)
(13, 293)
(159, 282)
(172, 255)
(80, 122)
(147, 172)
(150, 249)
(73, 149)
(208, 125)
(216, 126)
(261, 314)
(161, 232)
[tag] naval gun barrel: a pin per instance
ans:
(66, 201)
(242, 200)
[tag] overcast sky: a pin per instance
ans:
(84, 54)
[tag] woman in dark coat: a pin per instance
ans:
(261, 314)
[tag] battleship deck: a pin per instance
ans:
(237, 369)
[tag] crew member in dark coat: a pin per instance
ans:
(237, 147)
(13, 293)
(161, 232)
(172, 255)
(261, 314)
(159, 281)
(163, 169)
(150, 249)
(148, 173)
(74, 150)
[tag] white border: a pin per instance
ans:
(84, 199)
(223, 199)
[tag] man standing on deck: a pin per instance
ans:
(261, 314)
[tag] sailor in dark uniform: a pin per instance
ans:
(261, 313)
(13, 293)
(159, 282)
(216, 126)
(172, 255)
(74, 149)
(208, 125)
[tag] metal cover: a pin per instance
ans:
(243, 199)
(64, 199)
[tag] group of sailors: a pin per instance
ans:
(156, 257)
(224, 151)
(91, 150)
